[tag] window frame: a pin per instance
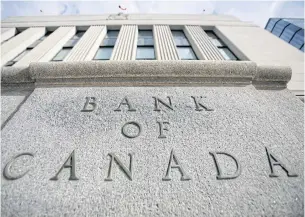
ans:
(65, 46)
(101, 46)
(222, 46)
(146, 46)
(183, 46)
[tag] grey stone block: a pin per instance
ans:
(240, 121)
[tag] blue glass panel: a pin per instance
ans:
(145, 53)
(179, 38)
(112, 34)
(145, 37)
(227, 54)
(298, 39)
(214, 39)
(289, 32)
(146, 41)
(271, 23)
(145, 34)
(296, 21)
(108, 42)
(103, 53)
(278, 29)
(302, 49)
(186, 53)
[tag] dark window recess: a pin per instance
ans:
(145, 45)
(185, 50)
(106, 47)
(61, 55)
(223, 49)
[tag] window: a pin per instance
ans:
(60, 56)
(223, 49)
(184, 48)
(271, 23)
(279, 27)
(106, 47)
(289, 32)
(40, 40)
(28, 49)
(298, 39)
(145, 45)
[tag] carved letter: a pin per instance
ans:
(198, 104)
(128, 172)
(92, 105)
(6, 171)
(69, 163)
(125, 102)
(131, 123)
(184, 176)
(167, 105)
(274, 162)
(220, 175)
(162, 128)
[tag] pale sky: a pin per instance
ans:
(257, 12)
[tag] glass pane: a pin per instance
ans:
(186, 53)
(278, 29)
(145, 53)
(34, 44)
(214, 39)
(109, 42)
(146, 41)
(180, 38)
(302, 49)
(112, 34)
(298, 39)
(271, 23)
(299, 22)
(17, 58)
(62, 54)
(145, 34)
(227, 54)
(289, 32)
(103, 53)
(78, 34)
(71, 43)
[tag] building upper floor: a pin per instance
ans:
(290, 30)
(145, 37)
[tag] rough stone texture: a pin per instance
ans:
(50, 124)
(10, 101)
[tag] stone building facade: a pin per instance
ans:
(146, 115)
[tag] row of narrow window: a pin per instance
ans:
(145, 46)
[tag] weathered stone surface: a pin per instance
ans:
(241, 121)
(11, 99)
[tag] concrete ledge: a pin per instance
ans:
(276, 76)
(15, 75)
(148, 73)
(137, 72)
